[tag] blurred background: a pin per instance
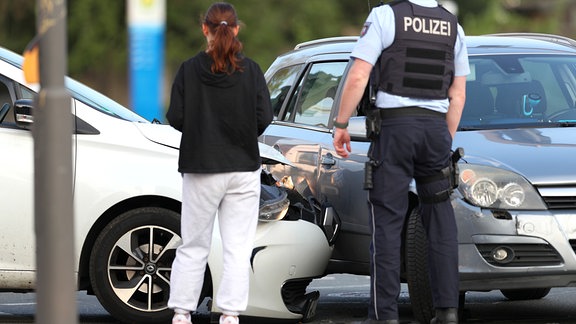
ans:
(98, 51)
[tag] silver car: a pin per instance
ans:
(516, 200)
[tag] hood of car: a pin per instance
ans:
(168, 136)
(541, 155)
(161, 134)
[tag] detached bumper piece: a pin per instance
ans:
(306, 306)
(298, 301)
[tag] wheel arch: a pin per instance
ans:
(111, 213)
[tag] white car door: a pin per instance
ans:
(17, 243)
(17, 233)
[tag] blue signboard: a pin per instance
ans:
(146, 28)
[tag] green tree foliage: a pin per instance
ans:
(96, 32)
(537, 16)
(268, 27)
(97, 45)
(17, 23)
(98, 37)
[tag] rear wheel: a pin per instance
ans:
(416, 264)
(131, 262)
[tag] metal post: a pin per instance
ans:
(53, 203)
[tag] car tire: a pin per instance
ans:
(416, 267)
(525, 294)
(123, 267)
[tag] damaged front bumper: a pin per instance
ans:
(515, 249)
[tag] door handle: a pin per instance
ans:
(328, 160)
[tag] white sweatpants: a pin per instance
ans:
(235, 198)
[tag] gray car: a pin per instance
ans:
(516, 201)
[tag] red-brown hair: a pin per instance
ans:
(225, 49)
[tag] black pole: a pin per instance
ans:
(53, 203)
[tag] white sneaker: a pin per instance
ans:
(180, 318)
(229, 319)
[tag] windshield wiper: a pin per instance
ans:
(565, 123)
(470, 128)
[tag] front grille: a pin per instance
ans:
(563, 197)
(560, 202)
(523, 255)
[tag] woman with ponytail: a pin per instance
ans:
(220, 103)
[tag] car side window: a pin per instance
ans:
(314, 97)
(10, 91)
(5, 103)
(26, 93)
(279, 85)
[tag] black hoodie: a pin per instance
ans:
(220, 116)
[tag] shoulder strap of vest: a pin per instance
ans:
(374, 80)
(441, 6)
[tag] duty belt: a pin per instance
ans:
(409, 111)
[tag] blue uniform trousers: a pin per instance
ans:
(409, 147)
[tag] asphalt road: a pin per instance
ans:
(344, 300)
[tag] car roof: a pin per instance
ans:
(10, 57)
(81, 92)
(477, 45)
(325, 46)
(520, 43)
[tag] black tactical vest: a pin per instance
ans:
(420, 61)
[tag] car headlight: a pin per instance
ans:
(274, 203)
(491, 187)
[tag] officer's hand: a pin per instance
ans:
(342, 142)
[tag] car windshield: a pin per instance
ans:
(507, 91)
(99, 101)
(85, 94)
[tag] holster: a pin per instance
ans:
(373, 122)
(451, 172)
(455, 172)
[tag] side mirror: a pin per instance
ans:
(23, 109)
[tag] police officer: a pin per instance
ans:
(419, 54)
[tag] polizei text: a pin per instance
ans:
(427, 26)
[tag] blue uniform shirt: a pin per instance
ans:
(378, 34)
